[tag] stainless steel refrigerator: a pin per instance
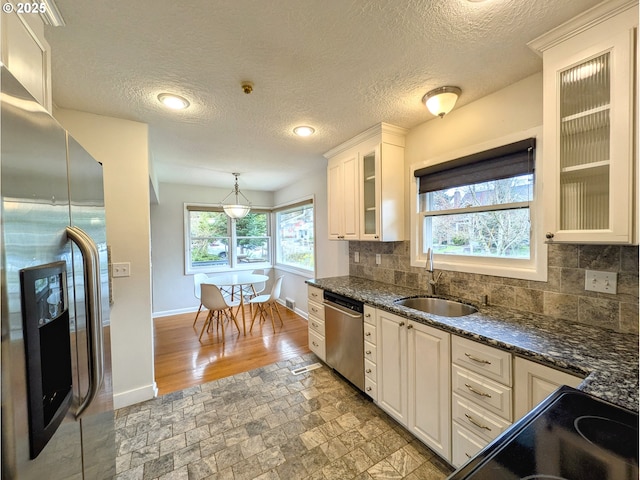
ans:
(57, 404)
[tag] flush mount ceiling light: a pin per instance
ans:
(174, 102)
(440, 101)
(304, 131)
(236, 210)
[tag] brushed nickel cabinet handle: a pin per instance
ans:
(401, 324)
(315, 344)
(475, 422)
(468, 456)
(476, 359)
(367, 315)
(368, 352)
(409, 327)
(368, 334)
(473, 390)
(314, 324)
(368, 370)
(368, 389)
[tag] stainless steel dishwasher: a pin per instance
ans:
(344, 337)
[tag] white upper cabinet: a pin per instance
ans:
(366, 186)
(588, 156)
(26, 53)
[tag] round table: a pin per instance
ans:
(239, 279)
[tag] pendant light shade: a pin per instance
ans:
(237, 209)
(441, 101)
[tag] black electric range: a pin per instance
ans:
(571, 435)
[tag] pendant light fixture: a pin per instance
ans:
(236, 210)
(441, 101)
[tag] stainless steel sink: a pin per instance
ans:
(438, 306)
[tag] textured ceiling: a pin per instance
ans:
(338, 65)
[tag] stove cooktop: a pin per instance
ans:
(570, 436)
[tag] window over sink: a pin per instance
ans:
(480, 211)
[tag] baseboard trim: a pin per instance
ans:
(178, 311)
(132, 397)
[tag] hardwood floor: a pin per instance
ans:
(182, 361)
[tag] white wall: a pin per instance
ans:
(122, 148)
(515, 108)
(332, 256)
(172, 289)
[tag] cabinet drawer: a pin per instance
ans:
(316, 294)
(370, 333)
(316, 310)
(370, 370)
(371, 388)
(477, 419)
(465, 445)
(369, 315)
(491, 395)
(317, 345)
(483, 359)
(317, 325)
(370, 352)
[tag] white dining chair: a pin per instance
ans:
(198, 279)
(218, 306)
(269, 300)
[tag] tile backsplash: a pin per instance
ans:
(562, 296)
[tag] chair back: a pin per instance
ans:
(259, 287)
(198, 278)
(212, 297)
(275, 290)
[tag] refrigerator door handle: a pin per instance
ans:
(91, 266)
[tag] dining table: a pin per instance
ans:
(233, 280)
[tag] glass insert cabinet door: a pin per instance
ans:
(370, 196)
(589, 122)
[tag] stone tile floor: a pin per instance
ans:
(269, 424)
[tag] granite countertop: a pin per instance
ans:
(607, 360)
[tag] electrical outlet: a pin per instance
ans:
(605, 282)
(356, 257)
(378, 259)
(121, 269)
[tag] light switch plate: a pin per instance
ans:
(121, 269)
(605, 282)
(378, 259)
(356, 257)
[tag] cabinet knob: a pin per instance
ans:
(549, 235)
(401, 324)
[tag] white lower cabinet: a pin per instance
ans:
(429, 387)
(413, 379)
(370, 353)
(482, 405)
(316, 323)
(392, 365)
(535, 382)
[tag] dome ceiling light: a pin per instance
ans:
(441, 101)
(172, 101)
(304, 131)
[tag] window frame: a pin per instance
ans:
(309, 200)
(233, 265)
(534, 268)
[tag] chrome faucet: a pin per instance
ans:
(432, 280)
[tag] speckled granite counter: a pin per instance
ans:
(608, 360)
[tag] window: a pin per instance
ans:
(218, 243)
(479, 214)
(295, 245)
